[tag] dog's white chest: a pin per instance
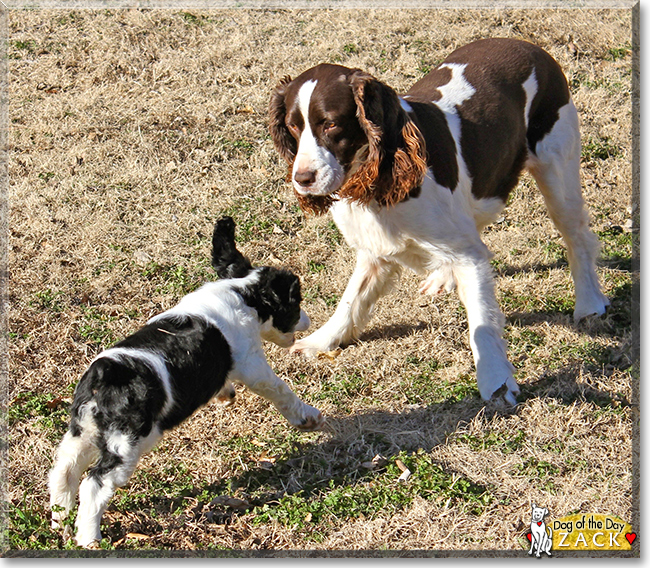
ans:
(365, 228)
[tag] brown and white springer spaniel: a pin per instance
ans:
(412, 180)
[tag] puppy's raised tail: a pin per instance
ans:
(226, 259)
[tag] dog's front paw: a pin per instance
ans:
(226, 396)
(312, 345)
(498, 389)
(314, 420)
(87, 541)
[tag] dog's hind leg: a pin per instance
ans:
(555, 165)
(120, 454)
(74, 455)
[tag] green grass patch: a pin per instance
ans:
(164, 488)
(539, 473)
(343, 389)
(616, 247)
(27, 526)
(561, 302)
(48, 300)
(192, 19)
(315, 267)
(589, 353)
(95, 327)
(49, 410)
(523, 340)
(599, 149)
(313, 293)
(332, 235)
(176, 279)
(424, 387)
(616, 53)
(250, 225)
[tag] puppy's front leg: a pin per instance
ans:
(372, 277)
(261, 379)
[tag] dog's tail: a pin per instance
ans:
(226, 259)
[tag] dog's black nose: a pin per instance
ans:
(305, 177)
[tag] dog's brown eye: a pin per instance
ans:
(293, 129)
(329, 125)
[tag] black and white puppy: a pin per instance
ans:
(157, 377)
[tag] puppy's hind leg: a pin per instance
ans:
(556, 169)
(74, 455)
(119, 456)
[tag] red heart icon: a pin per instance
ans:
(631, 537)
(539, 523)
(529, 537)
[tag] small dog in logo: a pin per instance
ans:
(540, 540)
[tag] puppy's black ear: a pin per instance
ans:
(294, 290)
(226, 259)
(284, 286)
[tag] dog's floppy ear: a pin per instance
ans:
(394, 161)
(226, 259)
(284, 143)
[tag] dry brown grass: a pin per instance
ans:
(132, 131)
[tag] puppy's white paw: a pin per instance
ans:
(226, 396)
(87, 541)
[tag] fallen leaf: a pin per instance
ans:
(137, 536)
(379, 460)
(54, 403)
(228, 501)
(331, 355)
(405, 476)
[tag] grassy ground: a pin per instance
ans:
(131, 132)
